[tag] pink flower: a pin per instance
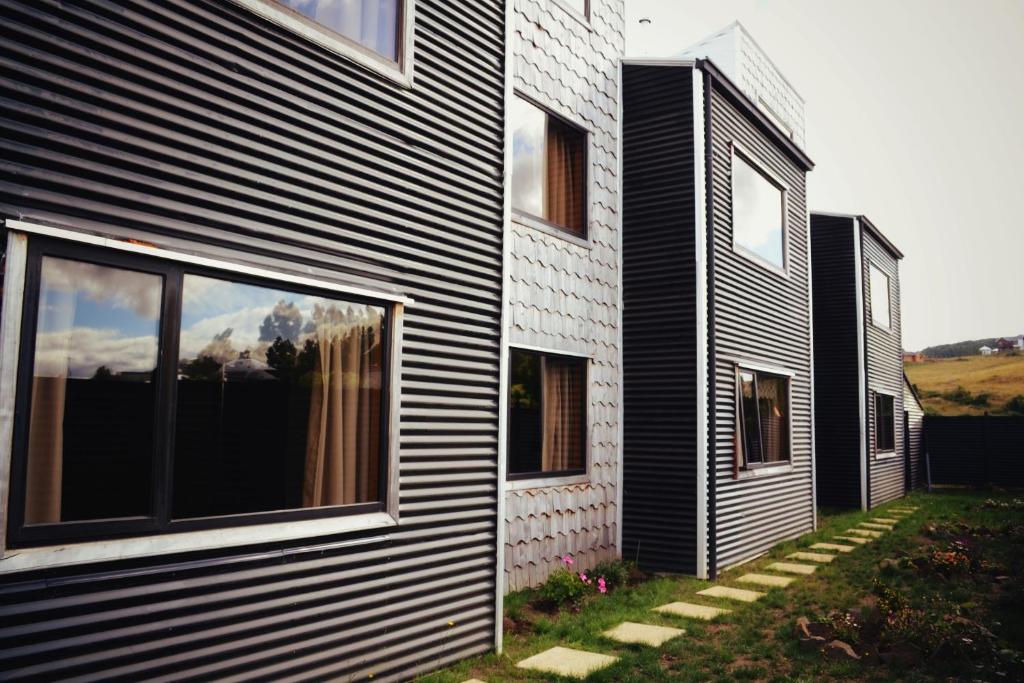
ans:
(567, 559)
(602, 587)
(583, 578)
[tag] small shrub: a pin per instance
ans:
(564, 587)
(1015, 405)
(614, 572)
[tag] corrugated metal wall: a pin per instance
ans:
(564, 296)
(914, 437)
(975, 450)
(884, 358)
(760, 316)
(199, 126)
(660, 372)
(836, 362)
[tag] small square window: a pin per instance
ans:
(885, 423)
(758, 213)
(763, 405)
(547, 404)
(880, 299)
(549, 174)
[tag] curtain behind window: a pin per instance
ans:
(773, 402)
(563, 416)
(566, 183)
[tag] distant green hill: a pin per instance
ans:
(964, 348)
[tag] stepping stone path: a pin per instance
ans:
(642, 634)
(833, 546)
(811, 557)
(884, 520)
(731, 593)
(864, 532)
(766, 580)
(872, 525)
(472, 680)
(792, 568)
(859, 540)
(565, 661)
(691, 611)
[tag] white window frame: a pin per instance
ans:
(888, 295)
(879, 453)
(401, 72)
(736, 149)
(72, 553)
(764, 469)
(584, 18)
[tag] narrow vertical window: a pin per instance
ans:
(548, 167)
(547, 404)
(763, 408)
(758, 213)
(885, 423)
(881, 315)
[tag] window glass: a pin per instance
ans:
(278, 400)
(757, 213)
(548, 169)
(548, 413)
(885, 423)
(879, 286)
(764, 417)
(90, 438)
(371, 23)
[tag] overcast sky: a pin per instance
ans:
(915, 113)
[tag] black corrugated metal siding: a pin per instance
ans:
(763, 317)
(914, 442)
(884, 359)
(202, 127)
(836, 362)
(974, 451)
(659, 516)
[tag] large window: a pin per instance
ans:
(879, 284)
(548, 168)
(885, 423)
(758, 213)
(161, 398)
(547, 426)
(763, 407)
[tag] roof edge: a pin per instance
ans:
(877, 234)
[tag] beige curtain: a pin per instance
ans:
(563, 398)
(565, 181)
(773, 404)
(45, 451)
(343, 437)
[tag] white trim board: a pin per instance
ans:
(700, 266)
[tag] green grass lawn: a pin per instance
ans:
(758, 642)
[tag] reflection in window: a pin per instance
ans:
(548, 411)
(90, 440)
(548, 170)
(879, 284)
(764, 417)
(279, 400)
(757, 213)
(885, 423)
(371, 23)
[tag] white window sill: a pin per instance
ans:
(546, 482)
(886, 455)
(23, 559)
(769, 471)
(550, 229)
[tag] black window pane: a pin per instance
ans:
(885, 429)
(773, 408)
(371, 23)
(750, 421)
(526, 427)
(278, 403)
(93, 393)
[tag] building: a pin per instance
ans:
(1003, 345)
(913, 435)
(190, 184)
(914, 357)
(858, 366)
(562, 468)
(986, 351)
(718, 445)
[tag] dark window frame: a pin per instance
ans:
(736, 150)
(872, 269)
(160, 521)
(584, 419)
(880, 396)
(745, 462)
(556, 228)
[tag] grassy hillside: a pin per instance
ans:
(938, 381)
(964, 348)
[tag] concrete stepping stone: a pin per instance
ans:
(864, 532)
(859, 540)
(691, 611)
(872, 525)
(766, 580)
(833, 546)
(884, 520)
(565, 661)
(642, 634)
(472, 680)
(904, 511)
(792, 568)
(811, 557)
(740, 594)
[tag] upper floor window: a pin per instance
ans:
(880, 300)
(549, 174)
(758, 213)
(763, 406)
(156, 397)
(372, 32)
